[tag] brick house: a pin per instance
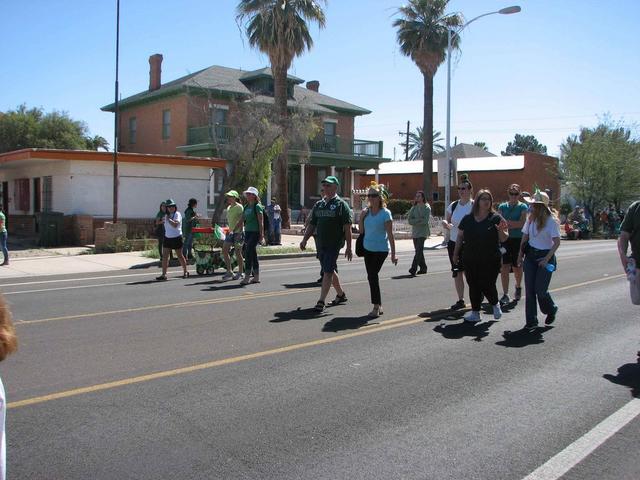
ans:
(181, 116)
(495, 173)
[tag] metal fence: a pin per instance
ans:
(401, 224)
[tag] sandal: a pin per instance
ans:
(339, 299)
(162, 278)
(320, 306)
(185, 275)
(376, 312)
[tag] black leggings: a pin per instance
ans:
(251, 266)
(481, 278)
(373, 262)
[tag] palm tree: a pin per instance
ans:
(279, 28)
(481, 145)
(422, 35)
(416, 140)
(96, 143)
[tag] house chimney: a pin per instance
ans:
(313, 85)
(155, 72)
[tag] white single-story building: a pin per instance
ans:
(79, 182)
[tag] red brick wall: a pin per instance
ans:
(540, 170)
(149, 122)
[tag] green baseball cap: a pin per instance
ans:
(170, 202)
(332, 180)
(232, 193)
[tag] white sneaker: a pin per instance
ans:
(473, 316)
(497, 311)
(227, 276)
(246, 280)
(237, 276)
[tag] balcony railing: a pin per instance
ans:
(322, 144)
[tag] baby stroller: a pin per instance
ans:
(207, 247)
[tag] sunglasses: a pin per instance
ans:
(463, 188)
(514, 193)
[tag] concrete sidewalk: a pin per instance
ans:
(64, 261)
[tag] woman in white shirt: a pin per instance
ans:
(172, 239)
(454, 215)
(540, 240)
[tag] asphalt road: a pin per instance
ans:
(120, 377)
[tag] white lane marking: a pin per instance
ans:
(564, 461)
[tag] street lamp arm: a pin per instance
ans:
(503, 11)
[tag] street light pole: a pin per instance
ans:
(450, 36)
(116, 120)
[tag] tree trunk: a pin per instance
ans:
(281, 165)
(427, 143)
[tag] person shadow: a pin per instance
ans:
(442, 314)
(629, 376)
(301, 285)
(457, 331)
(339, 324)
(297, 314)
(523, 337)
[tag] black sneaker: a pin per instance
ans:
(551, 317)
(422, 272)
(412, 273)
(518, 294)
(458, 305)
(531, 327)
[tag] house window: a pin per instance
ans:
(133, 130)
(166, 124)
(47, 194)
(219, 115)
(21, 194)
(330, 129)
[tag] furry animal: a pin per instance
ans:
(8, 338)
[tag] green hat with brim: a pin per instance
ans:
(232, 193)
(170, 202)
(331, 180)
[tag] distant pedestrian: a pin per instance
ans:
(172, 239)
(8, 345)
(481, 233)
(630, 233)
(235, 237)
(159, 229)
(515, 213)
(376, 224)
(190, 221)
(540, 240)
(456, 211)
(418, 218)
(275, 222)
(3, 238)
(253, 218)
(331, 218)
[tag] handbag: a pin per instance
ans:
(360, 240)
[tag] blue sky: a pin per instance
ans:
(547, 71)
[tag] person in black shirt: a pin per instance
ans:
(481, 232)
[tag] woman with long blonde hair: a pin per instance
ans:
(540, 241)
(8, 345)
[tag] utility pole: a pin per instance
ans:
(406, 145)
(116, 121)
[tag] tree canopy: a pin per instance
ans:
(33, 128)
(601, 165)
(524, 143)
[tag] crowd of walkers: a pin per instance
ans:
(521, 236)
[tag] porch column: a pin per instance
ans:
(353, 179)
(302, 184)
(377, 176)
(269, 190)
(333, 170)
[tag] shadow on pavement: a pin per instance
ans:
(442, 314)
(301, 285)
(297, 314)
(523, 337)
(214, 288)
(338, 324)
(402, 277)
(628, 376)
(145, 265)
(458, 331)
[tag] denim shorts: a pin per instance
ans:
(236, 238)
(328, 259)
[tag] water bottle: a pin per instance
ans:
(550, 267)
(631, 269)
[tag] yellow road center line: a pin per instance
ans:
(382, 326)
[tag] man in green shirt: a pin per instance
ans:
(630, 232)
(3, 238)
(331, 220)
(235, 237)
(515, 213)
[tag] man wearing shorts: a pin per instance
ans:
(235, 237)
(331, 219)
(630, 233)
(515, 213)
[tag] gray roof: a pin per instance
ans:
(227, 81)
(465, 150)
